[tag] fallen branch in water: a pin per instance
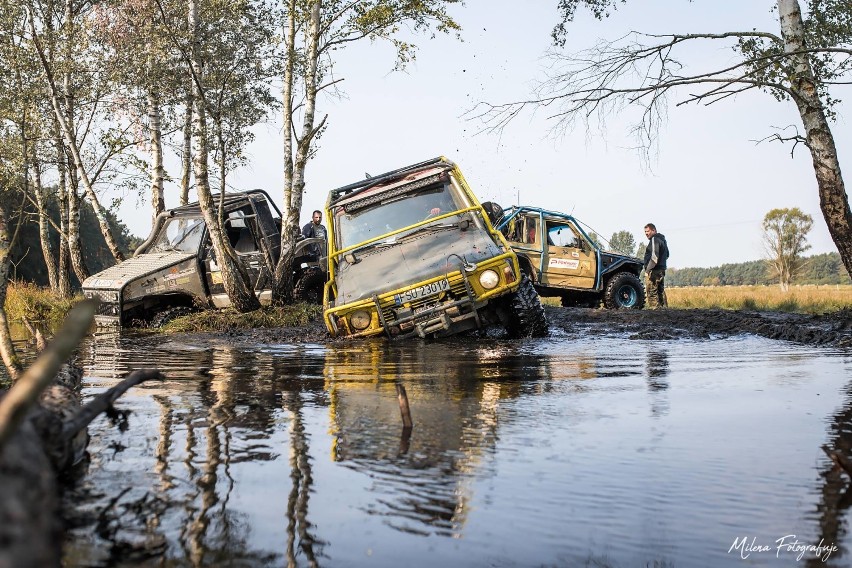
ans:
(42, 433)
(26, 390)
(105, 400)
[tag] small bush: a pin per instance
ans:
(227, 319)
(40, 306)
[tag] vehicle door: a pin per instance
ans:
(569, 260)
(213, 275)
(525, 237)
(243, 231)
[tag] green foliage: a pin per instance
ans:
(827, 29)
(595, 238)
(223, 320)
(623, 242)
(568, 8)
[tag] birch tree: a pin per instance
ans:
(785, 239)
(314, 30)
(799, 62)
(234, 276)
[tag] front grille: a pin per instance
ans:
(457, 291)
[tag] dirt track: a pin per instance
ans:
(831, 330)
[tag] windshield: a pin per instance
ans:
(362, 225)
(181, 234)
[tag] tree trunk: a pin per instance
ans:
(7, 349)
(43, 227)
(158, 203)
(75, 249)
(282, 281)
(294, 168)
(64, 272)
(42, 433)
(834, 202)
(186, 157)
(235, 279)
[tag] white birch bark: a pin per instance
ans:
(834, 202)
(158, 204)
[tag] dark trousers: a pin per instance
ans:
(657, 288)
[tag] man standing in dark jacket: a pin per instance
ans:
(314, 229)
(656, 254)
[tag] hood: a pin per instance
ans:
(612, 260)
(389, 266)
(115, 277)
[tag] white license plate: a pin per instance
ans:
(424, 291)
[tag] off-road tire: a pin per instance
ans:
(624, 291)
(309, 287)
(170, 314)
(525, 314)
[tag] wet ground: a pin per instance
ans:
(659, 438)
(834, 329)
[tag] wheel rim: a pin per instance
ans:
(627, 296)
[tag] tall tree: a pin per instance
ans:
(799, 63)
(234, 276)
(623, 242)
(785, 237)
(314, 30)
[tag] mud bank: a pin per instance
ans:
(829, 330)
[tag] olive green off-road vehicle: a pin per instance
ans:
(412, 251)
(175, 271)
(562, 261)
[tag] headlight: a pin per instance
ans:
(489, 279)
(360, 320)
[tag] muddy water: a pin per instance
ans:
(556, 452)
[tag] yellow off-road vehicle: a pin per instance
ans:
(412, 251)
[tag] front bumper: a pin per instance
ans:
(108, 312)
(458, 309)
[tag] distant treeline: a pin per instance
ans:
(819, 269)
(27, 260)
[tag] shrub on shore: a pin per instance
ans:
(38, 305)
(223, 320)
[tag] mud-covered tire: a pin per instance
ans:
(170, 314)
(624, 291)
(309, 287)
(525, 315)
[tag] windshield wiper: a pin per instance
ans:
(430, 229)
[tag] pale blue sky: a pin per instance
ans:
(708, 188)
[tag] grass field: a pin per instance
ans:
(810, 299)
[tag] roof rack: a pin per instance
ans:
(336, 195)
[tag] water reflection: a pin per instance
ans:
(539, 452)
(656, 371)
(836, 489)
